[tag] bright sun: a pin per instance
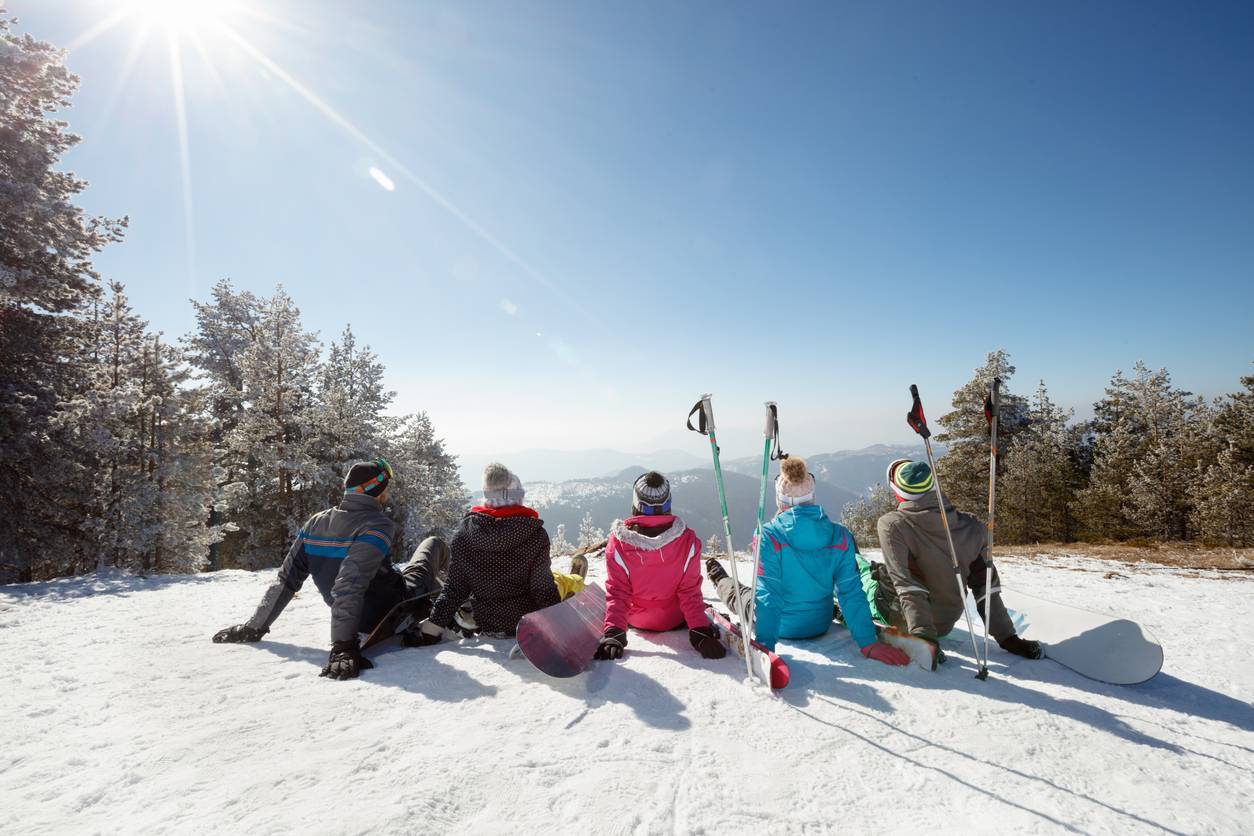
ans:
(177, 14)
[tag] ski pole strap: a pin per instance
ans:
(915, 417)
(698, 411)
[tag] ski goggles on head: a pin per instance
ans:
(656, 510)
(793, 501)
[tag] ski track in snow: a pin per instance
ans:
(121, 716)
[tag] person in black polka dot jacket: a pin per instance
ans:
(500, 556)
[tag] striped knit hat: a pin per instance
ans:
(651, 494)
(370, 478)
(909, 480)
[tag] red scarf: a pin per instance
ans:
(507, 511)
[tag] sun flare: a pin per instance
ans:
(177, 14)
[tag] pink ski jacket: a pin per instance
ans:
(654, 583)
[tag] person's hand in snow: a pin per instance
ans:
(706, 641)
(237, 634)
(612, 643)
(346, 661)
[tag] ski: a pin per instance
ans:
(767, 666)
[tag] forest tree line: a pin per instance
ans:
(120, 448)
(1154, 463)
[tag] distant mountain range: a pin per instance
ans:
(564, 465)
(840, 478)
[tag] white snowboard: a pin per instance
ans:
(1102, 647)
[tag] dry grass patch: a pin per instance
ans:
(1177, 555)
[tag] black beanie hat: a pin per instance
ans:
(370, 478)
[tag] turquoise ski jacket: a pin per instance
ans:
(805, 557)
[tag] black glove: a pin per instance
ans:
(1026, 648)
(239, 633)
(706, 641)
(346, 661)
(422, 634)
(613, 640)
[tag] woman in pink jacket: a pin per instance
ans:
(654, 565)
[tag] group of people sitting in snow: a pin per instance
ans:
(497, 568)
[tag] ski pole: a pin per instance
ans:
(992, 403)
(706, 428)
(770, 438)
(918, 423)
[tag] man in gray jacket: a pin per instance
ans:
(917, 557)
(346, 550)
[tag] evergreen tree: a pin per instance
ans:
(964, 467)
(1234, 423)
(48, 242)
(1148, 442)
(140, 440)
(558, 544)
(275, 481)
(1036, 492)
(860, 517)
(349, 409)
(589, 533)
(428, 496)
(1221, 500)
(46, 287)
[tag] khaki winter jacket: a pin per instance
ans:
(917, 555)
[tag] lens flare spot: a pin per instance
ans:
(382, 179)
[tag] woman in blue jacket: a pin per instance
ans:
(805, 557)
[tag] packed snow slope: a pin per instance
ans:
(120, 715)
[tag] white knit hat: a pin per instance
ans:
(501, 487)
(795, 485)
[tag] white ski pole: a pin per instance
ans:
(991, 405)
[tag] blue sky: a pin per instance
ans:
(602, 210)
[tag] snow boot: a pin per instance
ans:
(715, 571)
(464, 618)
(579, 565)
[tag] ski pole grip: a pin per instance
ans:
(768, 429)
(915, 418)
(707, 411)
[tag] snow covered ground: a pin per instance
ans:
(119, 715)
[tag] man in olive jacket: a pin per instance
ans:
(919, 565)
